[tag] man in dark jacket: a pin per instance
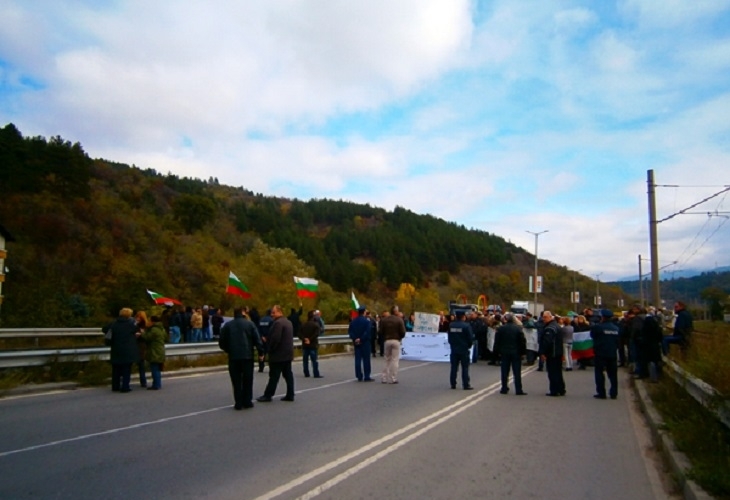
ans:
(238, 338)
(294, 316)
(309, 334)
(360, 331)
(461, 338)
(510, 344)
(551, 351)
(281, 354)
(479, 327)
(683, 326)
(124, 350)
(605, 347)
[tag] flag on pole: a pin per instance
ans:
(162, 300)
(582, 345)
(236, 287)
(355, 305)
(306, 287)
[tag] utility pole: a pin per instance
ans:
(641, 285)
(653, 246)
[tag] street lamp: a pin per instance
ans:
(575, 290)
(598, 292)
(534, 279)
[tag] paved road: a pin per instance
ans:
(340, 439)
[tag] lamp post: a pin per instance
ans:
(598, 292)
(575, 289)
(534, 278)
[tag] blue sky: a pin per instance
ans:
(504, 116)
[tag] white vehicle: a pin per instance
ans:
(525, 306)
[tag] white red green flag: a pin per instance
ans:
(306, 287)
(236, 286)
(355, 305)
(582, 345)
(162, 300)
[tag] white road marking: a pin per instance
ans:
(153, 422)
(345, 458)
(110, 431)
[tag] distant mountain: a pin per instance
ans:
(681, 288)
(681, 273)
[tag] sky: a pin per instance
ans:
(504, 116)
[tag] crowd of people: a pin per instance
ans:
(635, 339)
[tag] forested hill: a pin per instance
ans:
(92, 236)
(693, 289)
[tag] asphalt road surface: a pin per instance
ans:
(340, 439)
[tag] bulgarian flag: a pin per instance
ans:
(236, 287)
(582, 345)
(306, 287)
(162, 300)
(355, 305)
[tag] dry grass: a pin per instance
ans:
(698, 434)
(708, 356)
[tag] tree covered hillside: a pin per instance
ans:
(92, 236)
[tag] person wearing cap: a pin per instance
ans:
(510, 345)
(605, 348)
(392, 329)
(461, 338)
(551, 352)
(359, 332)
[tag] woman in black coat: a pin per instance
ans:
(124, 351)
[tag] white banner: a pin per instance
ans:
(419, 346)
(531, 337)
(426, 323)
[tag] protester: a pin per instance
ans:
(196, 325)
(124, 351)
(309, 335)
(392, 329)
(238, 339)
(140, 319)
(154, 336)
(264, 326)
(281, 354)
(551, 352)
(510, 344)
(683, 327)
(566, 330)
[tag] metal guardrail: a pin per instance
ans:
(18, 333)
(39, 357)
(700, 390)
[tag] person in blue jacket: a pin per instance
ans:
(360, 331)
(605, 348)
(461, 338)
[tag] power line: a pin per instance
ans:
(694, 205)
